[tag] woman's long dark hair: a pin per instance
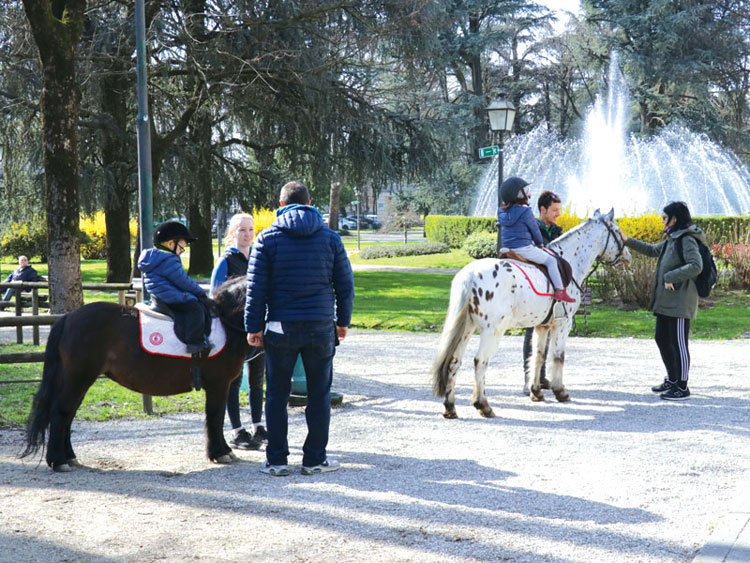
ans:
(679, 210)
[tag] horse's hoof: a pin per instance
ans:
(73, 462)
(233, 457)
(450, 414)
(489, 413)
(62, 468)
(561, 395)
(225, 459)
(537, 396)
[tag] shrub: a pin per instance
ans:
(725, 229)
(481, 245)
(736, 257)
(635, 284)
(647, 228)
(453, 230)
(94, 235)
(392, 251)
(262, 218)
(27, 239)
(567, 221)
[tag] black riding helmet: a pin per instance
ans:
(171, 230)
(512, 190)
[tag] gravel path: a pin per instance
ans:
(614, 475)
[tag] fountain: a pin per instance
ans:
(609, 168)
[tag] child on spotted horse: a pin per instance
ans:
(521, 233)
(175, 293)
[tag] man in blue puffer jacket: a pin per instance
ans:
(166, 280)
(300, 294)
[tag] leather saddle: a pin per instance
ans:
(566, 271)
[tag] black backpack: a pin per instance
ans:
(706, 279)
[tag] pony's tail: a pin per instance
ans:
(456, 324)
(39, 418)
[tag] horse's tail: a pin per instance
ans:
(456, 324)
(49, 389)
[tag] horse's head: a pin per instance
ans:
(230, 302)
(614, 253)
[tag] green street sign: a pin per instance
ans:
(355, 202)
(486, 152)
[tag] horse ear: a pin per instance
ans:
(597, 213)
(611, 214)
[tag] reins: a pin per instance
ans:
(598, 261)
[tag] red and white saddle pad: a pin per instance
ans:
(158, 336)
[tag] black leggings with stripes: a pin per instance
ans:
(671, 337)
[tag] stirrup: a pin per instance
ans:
(195, 372)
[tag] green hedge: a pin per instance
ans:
(453, 230)
(392, 251)
(481, 245)
(720, 230)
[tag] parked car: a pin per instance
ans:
(349, 223)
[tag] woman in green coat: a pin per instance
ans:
(675, 301)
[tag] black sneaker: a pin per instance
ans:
(244, 441)
(663, 386)
(260, 434)
(675, 394)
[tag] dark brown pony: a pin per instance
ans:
(103, 338)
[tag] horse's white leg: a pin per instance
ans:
(538, 347)
(558, 339)
(450, 397)
(489, 340)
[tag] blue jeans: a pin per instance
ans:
(315, 342)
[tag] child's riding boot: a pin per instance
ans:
(562, 295)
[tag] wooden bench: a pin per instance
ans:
(585, 302)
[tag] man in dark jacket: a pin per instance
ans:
(24, 273)
(300, 294)
(550, 207)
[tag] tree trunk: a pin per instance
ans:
(199, 147)
(57, 28)
(118, 159)
(481, 125)
(334, 205)
(199, 204)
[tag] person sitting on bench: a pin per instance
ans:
(24, 273)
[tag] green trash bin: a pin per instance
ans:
(298, 398)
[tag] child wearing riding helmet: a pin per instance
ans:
(520, 232)
(166, 280)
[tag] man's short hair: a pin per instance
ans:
(547, 198)
(294, 192)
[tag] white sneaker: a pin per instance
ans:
(326, 467)
(274, 470)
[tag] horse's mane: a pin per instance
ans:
(574, 232)
(230, 297)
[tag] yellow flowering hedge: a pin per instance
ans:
(94, 239)
(567, 220)
(262, 218)
(647, 227)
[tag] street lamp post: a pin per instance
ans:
(502, 113)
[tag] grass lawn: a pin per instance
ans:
(456, 258)
(405, 301)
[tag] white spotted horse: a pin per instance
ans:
(492, 296)
(104, 338)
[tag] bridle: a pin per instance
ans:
(611, 233)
